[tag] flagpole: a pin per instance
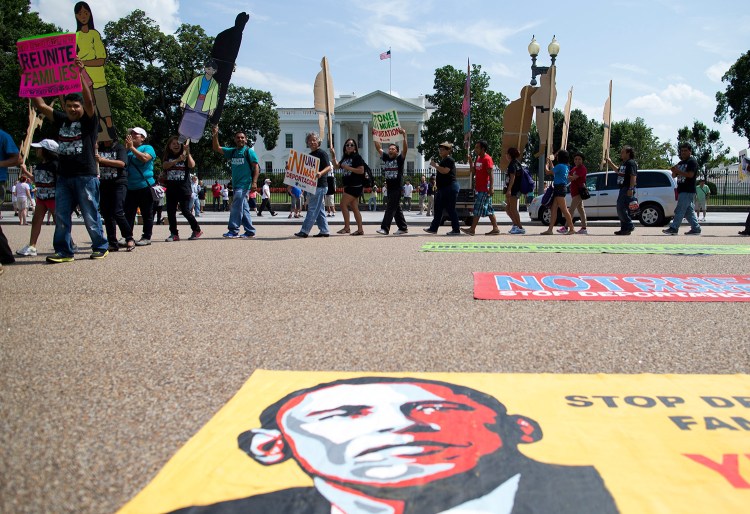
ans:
(390, 72)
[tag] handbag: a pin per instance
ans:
(584, 192)
(157, 192)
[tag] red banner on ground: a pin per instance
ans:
(629, 288)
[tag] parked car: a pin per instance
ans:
(656, 192)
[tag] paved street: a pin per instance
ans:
(108, 367)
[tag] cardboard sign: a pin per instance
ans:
(302, 171)
(661, 249)
(626, 288)
(385, 127)
(434, 442)
(48, 65)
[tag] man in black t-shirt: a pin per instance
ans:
(77, 180)
(393, 170)
(685, 174)
(113, 187)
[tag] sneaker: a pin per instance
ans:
(27, 251)
(513, 229)
(195, 235)
(57, 258)
(122, 243)
(382, 232)
(519, 231)
(562, 230)
(230, 235)
(113, 247)
(670, 231)
(453, 233)
(246, 235)
(143, 242)
(172, 237)
(300, 234)
(98, 254)
(624, 232)
(744, 232)
(693, 232)
(467, 231)
(583, 231)
(290, 216)
(273, 214)
(321, 234)
(401, 232)
(429, 231)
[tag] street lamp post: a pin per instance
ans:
(553, 49)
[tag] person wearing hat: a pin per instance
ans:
(44, 178)
(702, 192)
(265, 198)
(140, 168)
(447, 190)
(77, 180)
(393, 170)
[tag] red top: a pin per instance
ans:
(216, 189)
(575, 185)
(482, 168)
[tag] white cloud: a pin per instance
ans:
(249, 77)
(670, 100)
(687, 94)
(654, 104)
(716, 71)
(499, 69)
(60, 12)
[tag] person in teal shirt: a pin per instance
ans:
(245, 171)
(140, 169)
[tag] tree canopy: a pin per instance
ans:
(446, 122)
(708, 149)
(734, 101)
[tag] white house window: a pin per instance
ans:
(269, 166)
(410, 140)
(289, 140)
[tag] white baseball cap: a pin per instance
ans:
(47, 144)
(138, 130)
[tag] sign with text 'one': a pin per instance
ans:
(385, 127)
(630, 288)
(348, 442)
(302, 170)
(48, 65)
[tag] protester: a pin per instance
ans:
(140, 168)
(408, 189)
(77, 181)
(560, 184)
(685, 174)
(44, 176)
(315, 211)
(265, 198)
(423, 187)
(702, 192)
(627, 176)
(245, 170)
(113, 190)
(447, 191)
(216, 195)
(513, 179)
(577, 178)
(353, 173)
(393, 170)
(177, 163)
(482, 169)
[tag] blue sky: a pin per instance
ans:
(666, 57)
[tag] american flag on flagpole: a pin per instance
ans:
(385, 55)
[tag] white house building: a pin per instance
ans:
(352, 119)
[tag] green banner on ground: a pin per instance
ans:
(665, 249)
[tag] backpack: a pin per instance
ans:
(527, 183)
(367, 179)
(548, 195)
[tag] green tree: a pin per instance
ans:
(125, 101)
(17, 22)
(648, 148)
(708, 149)
(446, 123)
(734, 101)
(584, 136)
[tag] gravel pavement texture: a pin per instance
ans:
(107, 367)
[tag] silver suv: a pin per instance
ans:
(656, 191)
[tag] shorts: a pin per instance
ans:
(329, 201)
(22, 203)
(700, 205)
(482, 205)
(48, 203)
(560, 191)
(355, 191)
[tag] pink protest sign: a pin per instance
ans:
(48, 65)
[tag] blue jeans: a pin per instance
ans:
(685, 209)
(315, 212)
(82, 191)
(445, 198)
(195, 204)
(239, 214)
(623, 211)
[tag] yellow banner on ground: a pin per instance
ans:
(430, 442)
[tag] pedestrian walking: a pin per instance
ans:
(316, 211)
(178, 163)
(393, 170)
(560, 184)
(685, 173)
(352, 167)
(447, 191)
(140, 168)
(113, 189)
(482, 167)
(627, 177)
(44, 176)
(265, 198)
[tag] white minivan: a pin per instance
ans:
(656, 191)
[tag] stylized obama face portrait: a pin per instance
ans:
(386, 432)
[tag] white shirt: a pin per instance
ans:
(408, 189)
(266, 192)
(23, 190)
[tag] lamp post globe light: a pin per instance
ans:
(554, 50)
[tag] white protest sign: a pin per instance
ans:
(385, 127)
(302, 171)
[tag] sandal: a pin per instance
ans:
(546, 233)
(343, 231)
(130, 246)
(492, 233)
(358, 233)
